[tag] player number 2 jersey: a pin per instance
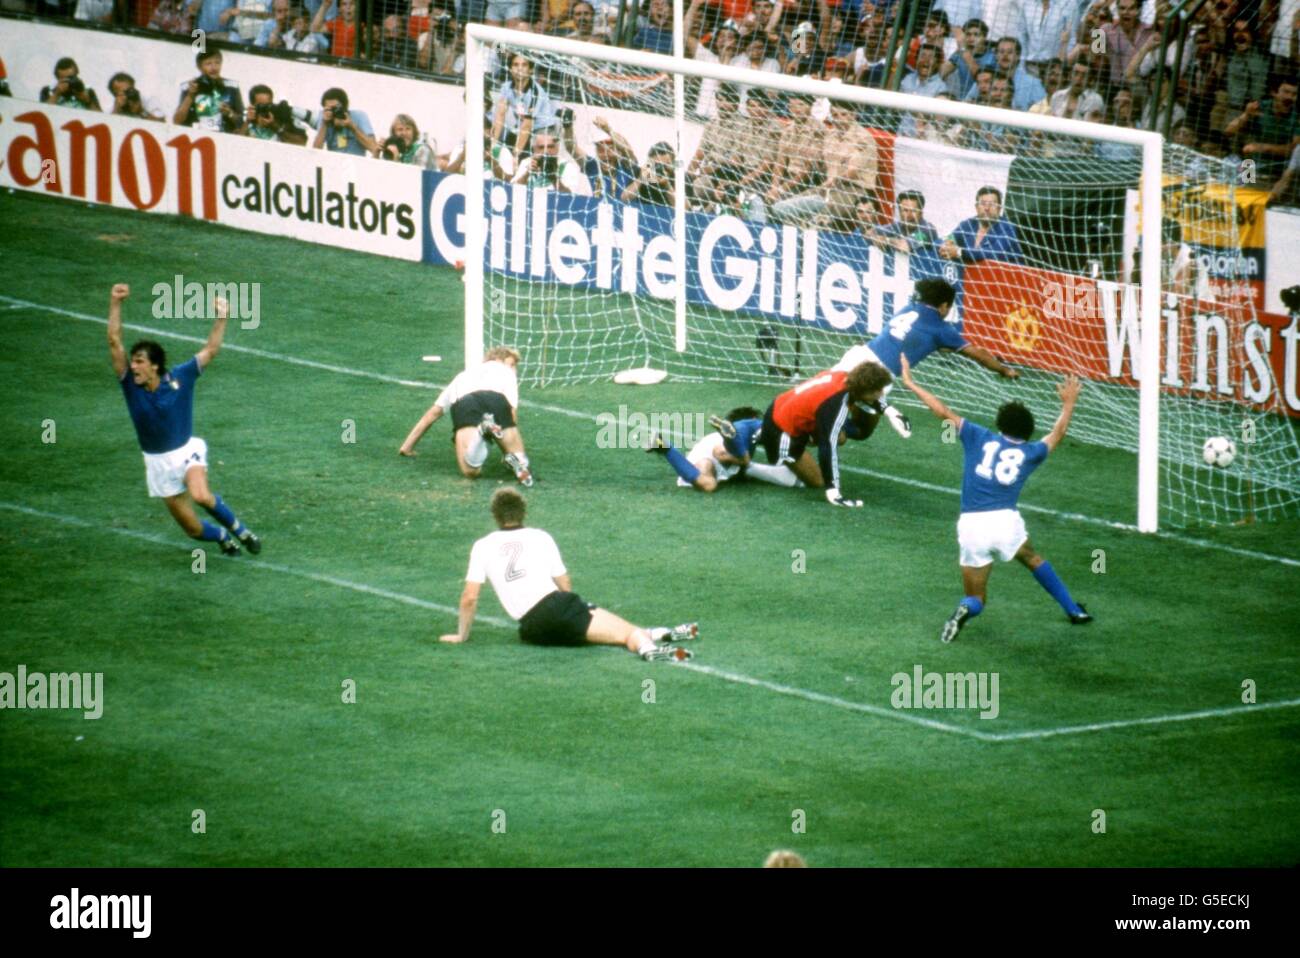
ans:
(520, 563)
(996, 468)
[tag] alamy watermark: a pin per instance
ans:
(53, 690)
(632, 430)
(193, 300)
(946, 690)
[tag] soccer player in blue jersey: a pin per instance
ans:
(916, 331)
(997, 466)
(161, 404)
(724, 454)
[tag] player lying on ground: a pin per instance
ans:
(484, 404)
(997, 465)
(915, 331)
(826, 409)
(161, 405)
(724, 454)
(529, 577)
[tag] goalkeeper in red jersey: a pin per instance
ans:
(829, 408)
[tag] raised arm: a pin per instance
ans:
(318, 21)
(1069, 393)
(468, 606)
(689, 43)
(215, 335)
(116, 353)
(986, 359)
(932, 402)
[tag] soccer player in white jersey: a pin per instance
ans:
(997, 465)
(484, 404)
(530, 579)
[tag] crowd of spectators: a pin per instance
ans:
(1103, 61)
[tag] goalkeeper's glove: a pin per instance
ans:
(902, 425)
(834, 498)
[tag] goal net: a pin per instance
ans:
(628, 210)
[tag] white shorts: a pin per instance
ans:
(165, 471)
(702, 451)
(855, 357)
(981, 536)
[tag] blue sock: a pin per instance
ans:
(210, 532)
(221, 512)
(682, 465)
(1050, 581)
(974, 604)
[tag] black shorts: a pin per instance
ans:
(561, 618)
(468, 410)
(777, 443)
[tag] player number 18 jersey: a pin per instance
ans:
(996, 468)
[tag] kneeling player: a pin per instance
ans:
(484, 405)
(827, 408)
(529, 577)
(724, 454)
(997, 466)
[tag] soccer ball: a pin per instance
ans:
(1219, 451)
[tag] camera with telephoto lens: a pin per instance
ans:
(565, 116)
(208, 85)
(663, 171)
(340, 113)
(393, 141)
(443, 29)
(75, 86)
(547, 164)
(1291, 298)
(132, 96)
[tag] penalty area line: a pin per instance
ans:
(790, 691)
(590, 417)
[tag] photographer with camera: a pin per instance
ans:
(654, 183)
(406, 145)
(550, 167)
(68, 89)
(343, 130)
(275, 121)
(127, 100)
(209, 101)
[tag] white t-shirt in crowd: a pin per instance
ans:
(492, 376)
(520, 563)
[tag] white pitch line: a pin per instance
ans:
(788, 690)
(798, 693)
(1152, 720)
(590, 417)
(259, 564)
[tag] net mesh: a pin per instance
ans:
(809, 219)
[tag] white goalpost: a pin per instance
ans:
(730, 276)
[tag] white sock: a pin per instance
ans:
(644, 641)
(477, 452)
(776, 475)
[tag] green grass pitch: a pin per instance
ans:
(223, 690)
